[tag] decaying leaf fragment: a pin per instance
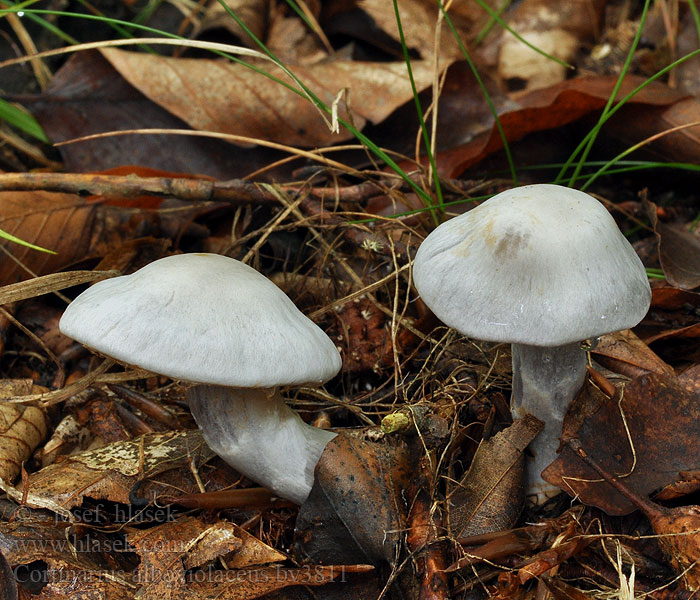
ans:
(252, 552)
(74, 566)
(678, 529)
(623, 352)
(112, 471)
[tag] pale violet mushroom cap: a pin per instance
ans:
(203, 318)
(542, 265)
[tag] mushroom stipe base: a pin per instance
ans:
(545, 381)
(256, 433)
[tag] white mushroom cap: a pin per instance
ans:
(542, 265)
(204, 318)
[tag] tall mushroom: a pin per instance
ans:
(542, 267)
(212, 320)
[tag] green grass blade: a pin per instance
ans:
(11, 238)
(306, 92)
(419, 112)
(22, 120)
(591, 138)
(484, 91)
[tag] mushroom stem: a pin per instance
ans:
(256, 433)
(545, 381)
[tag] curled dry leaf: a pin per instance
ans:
(214, 95)
(67, 435)
(113, 470)
(253, 13)
(352, 513)
(22, 428)
(558, 32)
(662, 418)
(252, 552)
(489, 496)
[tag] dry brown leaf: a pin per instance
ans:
(8, 585)
(215, 541)
(88, 96)
(59, 222)
(352, 513)
(418, 21)
(678, 528)
(167, 550)
(662, 419)
(557, 105)
(22, 429)
(252, 12)
(67, 435)
(489, 496)
(252, 552)
(559, 31)
(214, 95)
(113, 470)
(623, 352)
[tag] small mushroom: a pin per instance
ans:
(212, 320)
(542, 267)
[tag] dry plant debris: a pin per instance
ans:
(110, 491)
